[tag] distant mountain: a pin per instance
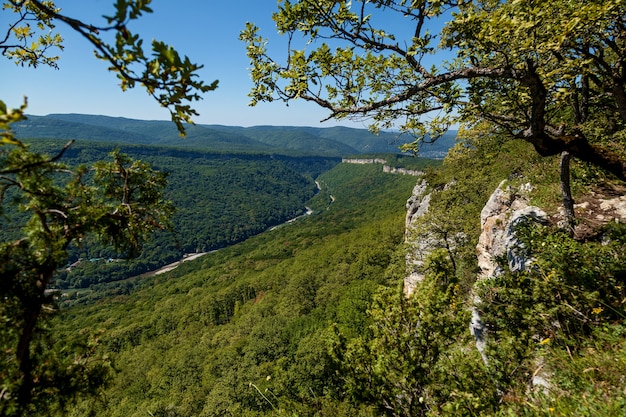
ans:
(351, 140)
(332, 141)
(129, 131)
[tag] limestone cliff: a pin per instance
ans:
(417, 206)
(424, 234)
(507, 209)
(391, 170)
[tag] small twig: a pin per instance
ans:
(263, 395)
(576, 311)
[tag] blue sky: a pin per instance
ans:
(207, 31)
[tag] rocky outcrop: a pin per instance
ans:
(362, 161)
(417, 206)
(507, 209)
(422, 236)
(499, 247)
(391, 170)
(605, 204)
(386, 168)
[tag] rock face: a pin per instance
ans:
(390, 170)
(417, 206)
(421, 235)
(363, 161)
(507, 209)
(386, 168)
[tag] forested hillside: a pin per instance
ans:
(333, 141)
(244, 331)
(322, 281)
(221, 199)
(311, 318)
(227, 183)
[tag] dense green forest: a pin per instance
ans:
(493, 283)
(310, 318)
(221, 199)
(331, 141)
(244, 329)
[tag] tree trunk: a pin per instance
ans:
(32, 303)
(25, 392)
(566, 192)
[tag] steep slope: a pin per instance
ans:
(220, 199)
(543, 303)
(310, 318)
(243, 331)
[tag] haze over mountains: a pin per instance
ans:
(331, 141)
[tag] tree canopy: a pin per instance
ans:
(118, 202)
(552, 76)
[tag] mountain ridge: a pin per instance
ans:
(323, 141)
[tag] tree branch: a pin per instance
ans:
(39, 163)
(467, 73)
